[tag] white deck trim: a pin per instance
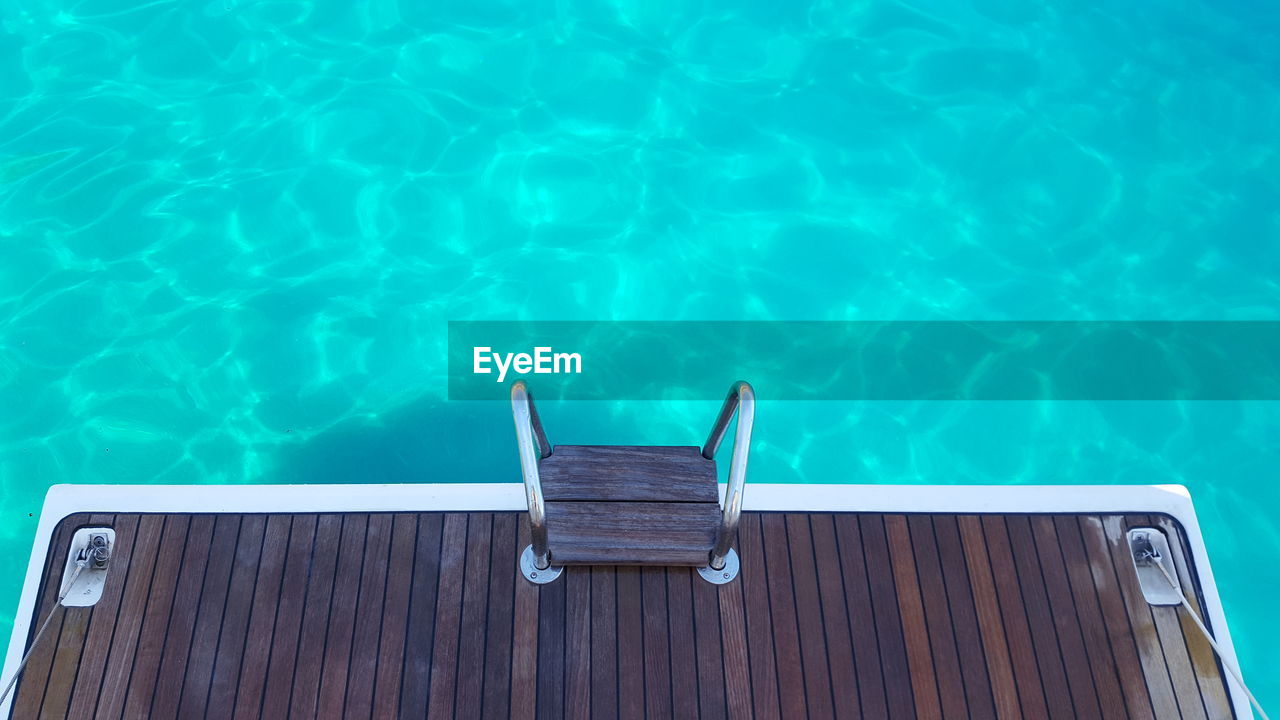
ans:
(64, 500)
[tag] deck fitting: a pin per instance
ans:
(725, 574)
(91, 546)
(1149, 547)
(534, 574)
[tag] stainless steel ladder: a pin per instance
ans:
(538, 561)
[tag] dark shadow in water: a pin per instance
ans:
(426, 441)
(436, 441)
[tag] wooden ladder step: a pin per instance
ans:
(631, 533)
(627, 473)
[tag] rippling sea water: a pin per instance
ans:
(231, 232)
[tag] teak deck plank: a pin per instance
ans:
(197, 658)
(944, 655)
(1035, 700)
(444, 655)
(420, 632)
(733, 638)
(424, 614)
(469, 683)
(604, 643)
(782, 604)
(888, 619)
(1102, 662)
(631, 660)
(235, 616)
(657, 641)
(577, 641)
(1065, 701)
(809, 622)
(315, 617)
(973, 668)
(524, 641)
(915, 631)
(755, 600)
(182, 620)
(342, 617)
(267, 595)
(552, 625)
(156, 620)
(684, 659)
(835, 617)
(863, 633)
(1004, 685)
(707, 645)
(370, 616)
(287, 629)
(395, 616)
(1079, 678)
(496, 702)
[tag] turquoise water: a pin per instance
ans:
(233, 231)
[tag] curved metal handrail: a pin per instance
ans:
(531, 440)
(741, 399)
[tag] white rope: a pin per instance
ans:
(1235, 672)
(36, 641)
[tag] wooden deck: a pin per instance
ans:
(425, 615)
